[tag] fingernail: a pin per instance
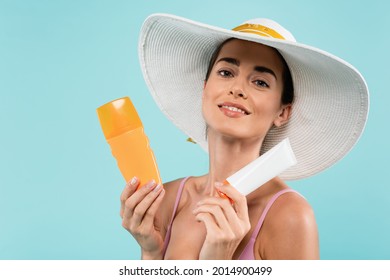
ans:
(133, 181)
(218, 184)
(156, 189)
(162, 191)
(151, 184)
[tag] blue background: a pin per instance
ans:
(60, 60)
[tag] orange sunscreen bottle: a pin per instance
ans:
(124, 132)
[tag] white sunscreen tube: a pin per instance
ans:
(264, 168)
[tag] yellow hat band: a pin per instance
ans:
(258, 30)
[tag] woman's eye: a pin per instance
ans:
(225, 73)
(260, 83)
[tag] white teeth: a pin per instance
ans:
(234, 109)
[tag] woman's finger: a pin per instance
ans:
(138, 195)
(142, 191)
(209, 222)
(223, 203)
(129, 189)
(240, 203)
(228, 211)
(136, 206)
(141, 210)
(150, 214)
(217, 213)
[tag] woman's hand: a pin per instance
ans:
(138, 212)
(226, 223)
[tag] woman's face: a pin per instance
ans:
(242, 96)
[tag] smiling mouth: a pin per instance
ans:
(234, 109)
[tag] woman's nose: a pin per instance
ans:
(238, 92)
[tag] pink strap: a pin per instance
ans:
(178, 196)
(266, 209)
(247, 253)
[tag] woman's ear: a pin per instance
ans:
(204, 87)
(284, 115)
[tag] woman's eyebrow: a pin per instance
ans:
(229, 60)
(264, 69)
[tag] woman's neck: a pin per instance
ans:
(226, 156)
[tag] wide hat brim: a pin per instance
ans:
(331, 97)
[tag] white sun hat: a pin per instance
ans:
(331, 98)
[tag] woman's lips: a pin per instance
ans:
(233, 110)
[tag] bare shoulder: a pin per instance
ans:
(291, 209)
(290, 229)
(171, 189)
(167, 205)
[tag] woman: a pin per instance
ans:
(246, 107)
